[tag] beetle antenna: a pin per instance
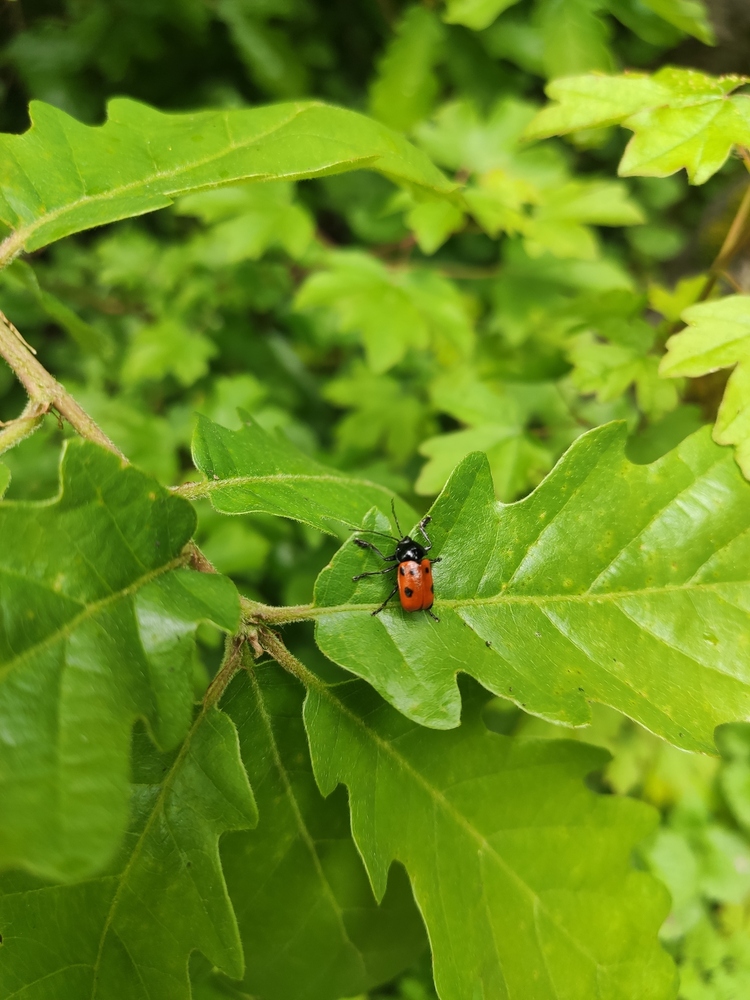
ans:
(369, 531)
(395, 517)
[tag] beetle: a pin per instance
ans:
(413, 568)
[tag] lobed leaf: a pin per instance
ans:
(393, 311)
(249, 471)
(98, 614)
(130, 932)
(521, 873)
(309, 923)
(718, 336)
(618, 583)
(61, 177)
(681, 118)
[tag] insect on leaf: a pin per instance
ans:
(618, 583)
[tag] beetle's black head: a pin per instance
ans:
(407, 550)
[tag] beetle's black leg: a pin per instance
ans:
(375, 572)
(378, 610)
(439, 559)
(431, 615)
(368, 545)
(422, 525)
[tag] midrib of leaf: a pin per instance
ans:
(13, 244)
(298, 818)
(155, 811)
(310, 611)
(89, 611)
(195, 490)
(450, 811)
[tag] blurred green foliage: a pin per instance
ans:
(388, 334)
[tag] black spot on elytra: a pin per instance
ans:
(408, 591)
(402, 571)
(427, 570)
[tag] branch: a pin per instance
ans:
(45, 393)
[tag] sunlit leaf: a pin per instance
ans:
(612, 582)
(718, 336)
(59, 177)
(680, 117)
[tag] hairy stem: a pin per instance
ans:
(230, 665)
(254, 611)
(45, 392)
(275, 648)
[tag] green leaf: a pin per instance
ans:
(618, 583)
(308, 920)
(4, 479)
(167, 348)
(98, 615)
(246, 220)
(433, 222)
(559, 223)
(129, 932)
(689, 16)
(681, 118)
(516, 460)
(502, 841)
(382, 414)
(476, 14)
(392, 310)
(250, 471)
(405, 87)
(574, 38)
(613, 356)
(58, 177)
(718, 336)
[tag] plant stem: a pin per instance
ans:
(276, 649)
(44, 391)
(230, 665)
(254, 611)
(729, 247)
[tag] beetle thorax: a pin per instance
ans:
(407, 550)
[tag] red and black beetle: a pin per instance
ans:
(413, 568)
